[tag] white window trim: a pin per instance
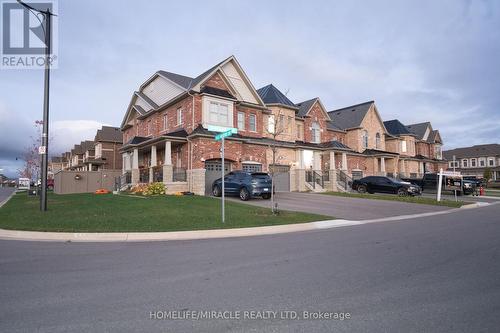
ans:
(206, 111)
(165, 121)
(271, 119)
(250, 116)
(242, 127)
(404, 147)
(180, 116)
(315, 131)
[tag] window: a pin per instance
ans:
(481, 163)
(299, 131)
(315, 133)
(149, 128)
(241, 121)
(98, 150)
(377, 140)
(473, 162)
(403, 146)
(180, 116)
(289, 125)
(270, 124)
(491, 162)
(165, 121)
(281, 124)
(364, 139)
(251, 167)
(252, 126)
(465, 163)
(219, 114)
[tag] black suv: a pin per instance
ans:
(244, 184)
(373, 184)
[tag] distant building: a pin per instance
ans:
(472, 161)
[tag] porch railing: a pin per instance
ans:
(344, 180)
(179, 175)
(144, 175)
(157, 174)
(315, 178)
(123, 180)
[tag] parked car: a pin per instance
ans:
(430, 181)
(244, 184)
(379, 184)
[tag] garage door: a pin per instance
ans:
(281, 178)
(251, 167)
(212, 172)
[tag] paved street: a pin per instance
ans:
(344, 208)
(5, 193)
(437, 274)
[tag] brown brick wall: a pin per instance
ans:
(259, 121)
(316, 114)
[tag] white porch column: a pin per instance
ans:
(124, 162)
(344, 161)
(317, 160)
(332, 160)
(135, 167)
(168, 170)
(153, 156)
(135, 159)
(299, 156)
(153, 163)
(168, 153)
(382, 164)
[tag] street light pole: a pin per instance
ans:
(44, 149)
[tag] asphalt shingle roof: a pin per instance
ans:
(492, 150)
(216, 92)
(271, 95)
(181, 80)
(109, 134)
(418, 129)
(351, 116)
(396, 128)
(305, 106)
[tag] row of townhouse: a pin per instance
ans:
(103, 153)
(474, 160)
(166, 136)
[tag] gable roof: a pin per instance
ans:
(351, 116)
(87, 145)
(492, 149)
(181, 80)
(305, 106)
(396, 128)
(109, 134)
(419, 129)
(271, 95)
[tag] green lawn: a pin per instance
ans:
(119, 213)
(492, 193)
(418, 200)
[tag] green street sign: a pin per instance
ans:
(219, 136)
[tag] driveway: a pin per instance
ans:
(344, 208)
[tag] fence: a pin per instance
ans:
(66, 182)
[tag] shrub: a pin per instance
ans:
(154, 189)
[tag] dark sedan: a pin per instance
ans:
(378, 184)
(244, 184)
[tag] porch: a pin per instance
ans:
(161, 161)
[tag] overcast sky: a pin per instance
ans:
(419, 60)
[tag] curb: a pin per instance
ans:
(208, 234)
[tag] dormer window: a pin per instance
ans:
(315, 132)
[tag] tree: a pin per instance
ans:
(275, 127)
(30, 156)
(487, 175)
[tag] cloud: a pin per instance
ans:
(66, 133)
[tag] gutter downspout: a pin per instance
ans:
(190, 144)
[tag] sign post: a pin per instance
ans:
(223, 133)
(440, 182)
